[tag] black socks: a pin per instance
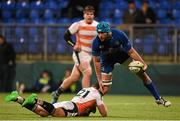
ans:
(59, 91)
(47, 106)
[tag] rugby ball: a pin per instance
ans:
(136, 66)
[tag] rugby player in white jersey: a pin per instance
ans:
(85, 31)
(82, 104)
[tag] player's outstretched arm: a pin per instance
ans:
(102, 110)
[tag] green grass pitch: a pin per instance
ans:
(120, 107)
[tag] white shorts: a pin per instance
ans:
(83, 57)
(69, 108)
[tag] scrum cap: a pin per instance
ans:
(103, 27)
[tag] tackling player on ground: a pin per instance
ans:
(85, 31)
(82, 104)
(112, 46)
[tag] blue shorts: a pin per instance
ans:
(107, 63)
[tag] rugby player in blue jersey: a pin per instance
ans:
(112, 46)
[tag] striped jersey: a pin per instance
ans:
(87, 98)
(85, 33)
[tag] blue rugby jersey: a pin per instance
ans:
(118, 43)
(113, 50)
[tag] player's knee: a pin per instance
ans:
(87, 72)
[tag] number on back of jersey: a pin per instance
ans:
(83, 93)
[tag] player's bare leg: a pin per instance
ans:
(86, 70)
(40, 111)
(74, 77)
(58, 113)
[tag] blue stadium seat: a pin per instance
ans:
(108, 20)
(164, 21)
(176, 5)
(63, 3)
(177, 21)
(33, 48)
(61, 32)
(161, 49)
(64, 20)
(51, 48)
(37, 5)
(33, 31)
(165, 5)
(52, 35)
(61, 49)
(19, 32)
(105, 13)
(22, 21)
(57, 14)
(75, 19)
(162, 31)
(121, 5)
(51, 5)
(8, 33)
(108, 5)
(138, 4)
(10, 20)
(50, 21)
(118, 21)
(34, 14)
(161, 14)
(149, 43)
(150, 39)
(48, 14)
(138, 45)
(21, 35)
(153, 4)
(35, 35)
(178, 51)
(118, 13)
(36, 21)
(19, 48)
(23, 5)
(6, 14)
(20, 14)
(148, 49)
(8, 5)
(176, 13)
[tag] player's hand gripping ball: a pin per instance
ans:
(136, 66)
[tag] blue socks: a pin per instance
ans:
(151, 87)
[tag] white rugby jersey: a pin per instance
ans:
(86, 99)
(85, 33)
(88, 96)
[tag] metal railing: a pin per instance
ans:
(156, 43)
